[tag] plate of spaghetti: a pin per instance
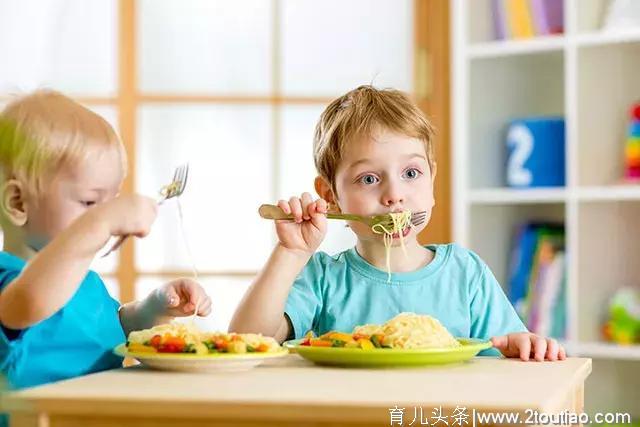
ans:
(183, 347)
(406, 340)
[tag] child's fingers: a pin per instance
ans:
(172, 298)
(205, 308)
(321, 206)
(307, 206)
(539, 347)
(523, 344)
(552, 349)
(318, 218)
(284, 205)
(296, 209)
(194, 292)
(500, 342)
(562, 355)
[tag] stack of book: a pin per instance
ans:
(521, 19)
(537, 278)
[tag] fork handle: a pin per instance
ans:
(274, 212)
(116, 245)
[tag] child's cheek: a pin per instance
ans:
(360, 229)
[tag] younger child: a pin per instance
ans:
(62, 167)
(374, 154)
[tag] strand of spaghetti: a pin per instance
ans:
(189, 254)
(186, 241)
(399, 221)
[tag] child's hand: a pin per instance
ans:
(310, 226)
(179, 298)
(131, 214)
(525, 345)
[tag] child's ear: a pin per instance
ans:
(13, 203)
(323, 188)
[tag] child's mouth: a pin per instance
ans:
(405, 233)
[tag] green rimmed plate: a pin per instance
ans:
(199, 363)
(388, 358)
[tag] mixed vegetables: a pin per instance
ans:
(347, 340)
(207, 344)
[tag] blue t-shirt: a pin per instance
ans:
(457, 288)
(77, 340)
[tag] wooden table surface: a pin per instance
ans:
(293, 392)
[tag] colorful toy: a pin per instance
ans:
(632, 146)
(623, 324)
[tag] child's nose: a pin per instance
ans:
(392, 195)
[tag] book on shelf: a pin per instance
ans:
(522, 19)
(537, 278)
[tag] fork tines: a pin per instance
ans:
(182, 174)
(418, 218)
(179, 182)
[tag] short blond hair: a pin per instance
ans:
(44, 131)
(361, 112)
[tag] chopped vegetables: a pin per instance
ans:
(341, 339)
(178, 339)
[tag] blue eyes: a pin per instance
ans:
(409, 174)
(412, 173)
(369, 179)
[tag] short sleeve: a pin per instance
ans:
(491, 312)
(11, 340)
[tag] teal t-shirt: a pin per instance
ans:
(77, 340)
(343, 291)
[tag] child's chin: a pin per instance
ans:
(404, 234)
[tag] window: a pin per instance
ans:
(232, 87)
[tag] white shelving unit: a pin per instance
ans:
(591, 78)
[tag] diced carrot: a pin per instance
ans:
(262, 348)
(359, 336)
(320, 343)
(155, 341)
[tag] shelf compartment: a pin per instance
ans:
(603, 110)
(501, 90)
(608, 245)
(492, 229)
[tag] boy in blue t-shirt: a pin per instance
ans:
(374, 153)
(62, 168)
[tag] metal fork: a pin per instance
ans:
(174, 189)
(274, 212)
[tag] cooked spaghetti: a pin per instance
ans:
(399, 222)
(405, 331)
(410, 330)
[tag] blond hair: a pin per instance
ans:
(44, 131)
(361, 112)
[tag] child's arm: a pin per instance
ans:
(174, 299)
(52, 277)
(262, 308)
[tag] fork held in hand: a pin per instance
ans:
(274, 212)
(169, 191)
